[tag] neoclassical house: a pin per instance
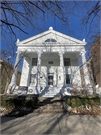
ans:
(50, 63)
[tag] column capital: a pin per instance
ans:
(39, 52)
(82, 52)
(18, 52)
(61, 52)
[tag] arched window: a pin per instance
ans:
(50, 40)
(53, 40)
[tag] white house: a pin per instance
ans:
(50, 63)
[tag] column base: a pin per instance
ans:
(38, 89)
(11, 88)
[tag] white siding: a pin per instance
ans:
(54, 69)
(76, 79)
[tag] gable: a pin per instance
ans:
(51, 36)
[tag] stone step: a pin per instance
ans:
(48, 111)
(51, 92)
(46, 93)
(48, 106)
(48, 98)
(49, 95)
(48, 103)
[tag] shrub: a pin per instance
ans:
(74, 92)
(83, 101)
(18, 102)
(7, 102)
(84, 92)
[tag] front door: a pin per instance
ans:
(50, 79)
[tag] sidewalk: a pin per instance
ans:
(52, 123)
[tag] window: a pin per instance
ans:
(34, 61)
(50, 62)
(66, 61)
(50, 40)
(67, 79)
(32, 78)
(53, 40)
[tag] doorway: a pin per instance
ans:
(50, 79)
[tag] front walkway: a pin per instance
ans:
(52, 123)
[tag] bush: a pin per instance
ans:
(7, 102)
(74, 92)
(84, 92)
(18, 102)
(85, 101)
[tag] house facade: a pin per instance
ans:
(50, 63)
(96, 60)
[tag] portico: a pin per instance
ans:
(50, 63)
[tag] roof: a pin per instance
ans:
(42, 37)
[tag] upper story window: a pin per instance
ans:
(34, 61)
(50, 40)
(66, 61)
(50, 62)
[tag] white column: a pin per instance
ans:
(62, 67)
(12, 85)
(38, 70)
(85, 69)
(14, 76)
(86, 73)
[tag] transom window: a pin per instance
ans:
(50, 40)
(66, 61)
(34, 61)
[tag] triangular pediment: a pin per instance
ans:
(51, 35)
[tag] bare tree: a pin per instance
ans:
(18, 14)
(91, 20)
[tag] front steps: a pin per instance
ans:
(49, 92)
(48, 105)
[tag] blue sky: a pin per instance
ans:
(75, 25)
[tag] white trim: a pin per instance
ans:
(50, 31)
